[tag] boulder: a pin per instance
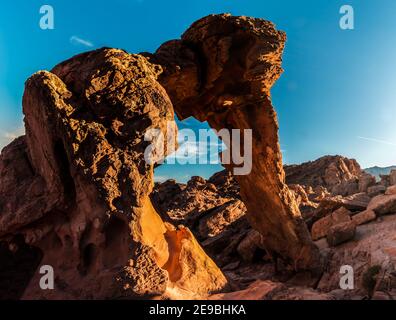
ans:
(376, 190)
(187, 203)
(341, 233)
(385, 180)
(307, 207)
(321, 227)
(366, 181)
(301, 194)
(384, 296)
(222, 248)
(364, 217)
(270, 290)
(346, 188)
(392, 178)
(226, 184)
(318, 194)
(217, 220)
(391, 191)
(249, 245)
(383, 204)
(259, 290)
(355, 203)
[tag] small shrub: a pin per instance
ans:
(370, 279)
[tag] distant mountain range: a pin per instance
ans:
(377, 171)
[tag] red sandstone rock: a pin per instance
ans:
(321, 227)
(376, 190)
(366, 181)
(364, 217)
(355, 203)
(248, 246)
(242, 59)
(259, 290)
(217, 220)
(392, 178)
(341, 233)
(383, 204)
(211, 209)
(338, 174)
(390, 191)
(86, 185)
(186, 204)
(269, 290)
(370, 248)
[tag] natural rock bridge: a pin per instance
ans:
(85, 207)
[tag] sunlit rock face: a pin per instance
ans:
(221, 71)
(85, 205)
(339, 175)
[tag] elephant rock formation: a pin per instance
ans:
(75, 191)
(221, 71)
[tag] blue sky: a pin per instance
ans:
(337, 95)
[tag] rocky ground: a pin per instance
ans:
(356, 228)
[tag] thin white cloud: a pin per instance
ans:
(191, 150)
(188, 150)
(389, 143)
(79, 41)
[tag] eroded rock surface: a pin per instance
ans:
(221, 71)
(211, 208)
(339, 175)
(77, 187)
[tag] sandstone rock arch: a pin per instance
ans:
(85, 182)
(221, 71)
